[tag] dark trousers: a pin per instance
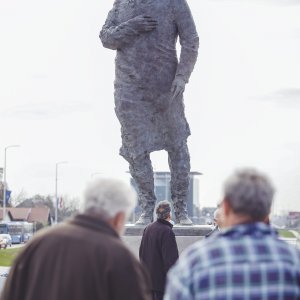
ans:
(157, 295)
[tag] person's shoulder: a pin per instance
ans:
(193, 253)
(190, 261)
(285, 250)
(150, 227)
(158, 225)
(201, 252)
(165, 226)
(47, 232)
(42, 237)
(115, 246)
(121, 256)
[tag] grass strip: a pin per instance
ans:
(7, 256)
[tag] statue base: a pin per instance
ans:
(185, 235)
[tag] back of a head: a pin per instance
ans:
(108, 197)
(163, 210)
(249, 193)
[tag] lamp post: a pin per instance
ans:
(4, 179)
(56, 197)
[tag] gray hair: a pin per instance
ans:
(250, 193)
(109, 197)
(163, 209)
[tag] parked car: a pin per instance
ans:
(5, 240)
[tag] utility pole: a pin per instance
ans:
(56, 196)
(4, 179)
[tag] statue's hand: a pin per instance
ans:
(143, 23)
(177, 88)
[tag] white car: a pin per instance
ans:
(5, 240)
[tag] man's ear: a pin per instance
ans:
(118, 222)
(226, 209)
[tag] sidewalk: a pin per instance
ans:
(3, 274)
(296, 234)
(4, 270)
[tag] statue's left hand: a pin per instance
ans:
(177, 88)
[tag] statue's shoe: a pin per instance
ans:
(184, 220)
(143, 220)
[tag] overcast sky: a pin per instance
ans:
(242, 102)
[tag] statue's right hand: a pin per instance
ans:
(143, 23)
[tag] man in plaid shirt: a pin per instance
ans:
(244, 261)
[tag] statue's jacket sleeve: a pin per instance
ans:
(113, 35)
(188, 39)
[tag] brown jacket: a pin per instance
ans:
(83, 259)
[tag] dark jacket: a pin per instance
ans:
(83, 259)
(158, 252)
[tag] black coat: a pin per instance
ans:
(83, 259)
(158, 252)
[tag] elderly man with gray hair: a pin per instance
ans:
(158, 249)
(83, 258)
(246, 260)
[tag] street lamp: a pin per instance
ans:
(4, 179)
(56, 197)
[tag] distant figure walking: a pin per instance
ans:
(83, 259)
(246, 259)
(158, 250)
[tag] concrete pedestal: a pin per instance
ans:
(185, 236)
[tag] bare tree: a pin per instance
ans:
(18, 198)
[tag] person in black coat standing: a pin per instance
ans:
(158, 250)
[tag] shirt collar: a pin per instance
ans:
(165, 222)
(93, 222)
(258, 229)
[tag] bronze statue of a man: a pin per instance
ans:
(149, 88)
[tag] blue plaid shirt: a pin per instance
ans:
(244, 262)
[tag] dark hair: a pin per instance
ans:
(163, 209)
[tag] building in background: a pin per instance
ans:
(163, 192)
(21, 223)
(293, 219)
(33, 215)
